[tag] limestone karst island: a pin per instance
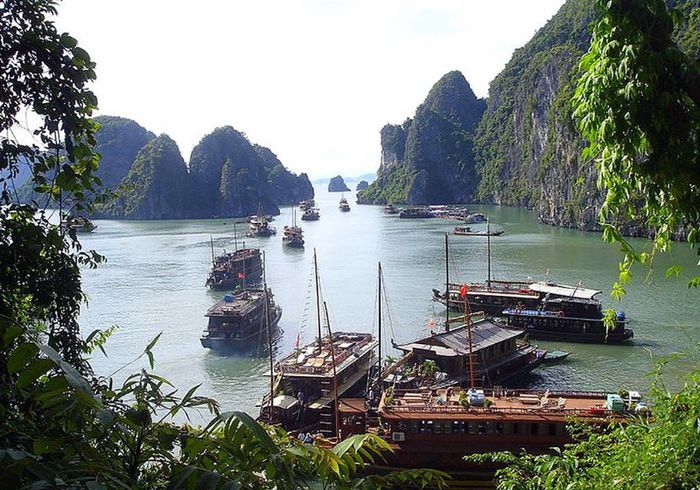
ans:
(339, 245)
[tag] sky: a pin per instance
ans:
(313, 80)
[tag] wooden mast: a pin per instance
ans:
(447, 286)
(488, 252)
(335, 373)
(379, 330)
(269, 341)
(235, 236)
(211, 240)
(318, 301)
(468, 320)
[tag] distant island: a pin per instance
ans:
(362, 185)
(337, 184)
(226, 176)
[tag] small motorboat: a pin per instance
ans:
(467, 231)
(553, 356)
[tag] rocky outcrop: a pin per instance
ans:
(227, 176)
(337, 184)
(362, 185)
(118, 141)
(430, 159)
(157, 186)
(287, 187)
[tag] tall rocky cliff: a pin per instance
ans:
(526, 149)
(227, 175)
(429, 159)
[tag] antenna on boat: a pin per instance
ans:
(318, 301)
(335, 374)
(447, 286)
(269, 340)
(488, 248)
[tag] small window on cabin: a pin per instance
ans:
(447, 426)
(515, 428)
(533, 429)
(498, 428)
(472, 427)
(415, 427)
(437, 427)
(483, 426)
(552, 429)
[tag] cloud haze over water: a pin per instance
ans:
(314, 81)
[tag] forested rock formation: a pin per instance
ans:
(362, 185)
(430, 159)
(525, 150)
(227, 175)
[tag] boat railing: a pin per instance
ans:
(339, 358)
(534, 410)
(512, 393)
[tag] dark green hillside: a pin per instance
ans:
(287, 187)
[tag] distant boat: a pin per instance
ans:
(344, 206)
(78, 224)
(308, 204)
(416, 213)
(467, 231)
(260, 227)
(475, 218)
(311, 214)
(390, 209)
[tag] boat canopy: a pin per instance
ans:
(564, 290)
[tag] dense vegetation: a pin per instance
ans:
(61, 426)
(429, 159)
(227, 175)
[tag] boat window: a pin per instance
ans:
(483, 427)
(415, 426)
(472, 427)
(552, 429)
(515, 428)
(533, 429)
(447, 426)
(459, 426)
(498, 428)
(437, 427)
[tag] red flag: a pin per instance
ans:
(241, 275)
(431, 323)
(463, 290)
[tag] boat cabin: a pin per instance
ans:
(499, 355)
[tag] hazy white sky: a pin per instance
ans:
(312, 80)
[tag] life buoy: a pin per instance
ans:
(561, 313)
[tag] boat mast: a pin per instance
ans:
(235, 236)
(447, 286)
(468, 321)
(488, 247)
(211, 240)
(335, 374)
(379, 330)
(318, 301)
(269, 340)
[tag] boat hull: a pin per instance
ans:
(251, 343)
(578, 337)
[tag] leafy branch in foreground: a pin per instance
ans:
(638, 104)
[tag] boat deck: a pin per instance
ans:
(242, 304)
(510, 404)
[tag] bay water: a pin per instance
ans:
(154, 281)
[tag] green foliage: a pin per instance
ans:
(637, 104)
(658, 452)
(390, 188)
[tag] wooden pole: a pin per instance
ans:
(379, 334)
(488, 247)
(447, 286)
(318, 301)
(335, 374)
(468, 318)
(269, 342)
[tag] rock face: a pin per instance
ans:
(527, 146)
(362, 185)
(158, 185)
(118, 141)
(430, 159)
(227, 175)
(337, 184)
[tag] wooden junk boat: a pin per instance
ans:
(499, 356)
(241, 321)
(569, 319)
(344, 206)
(437, 428)
(415, 213)
(306, 385)
(293, 237)
(308, 204)
(311, 214)
(78, 224)
(235, 269)
(260, 227)
(390, 209)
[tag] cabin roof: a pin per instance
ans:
(242, 304)
(485, 333)
(563, 290)
(352, 405)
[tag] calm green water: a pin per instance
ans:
(153, 281)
